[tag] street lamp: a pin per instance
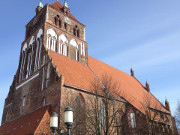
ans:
(68, 121)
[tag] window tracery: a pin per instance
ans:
(39, 42)
(51, 39)
(23, 60)
(63, 45)
(75, 45)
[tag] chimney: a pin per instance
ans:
(132, 72)
(167, 105)
(147, 87)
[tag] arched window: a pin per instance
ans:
(78, 33)
(80, 115)
(75, 48)
(74, 31)
(60, 23)
(51, 39)
(63, 45)
(55, 21)
(102, 117)
(132, 120)
(77, 53)
(43, 74)
(48, 75)
(65, 49)
(30, 52)
(29, 62)
(39, 41)
(53, 44)
(83, 49)
(65, 26)
(23, 60)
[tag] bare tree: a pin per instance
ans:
(98, 112)
(157, 121)
(103, 111)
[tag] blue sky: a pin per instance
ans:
(141, 34)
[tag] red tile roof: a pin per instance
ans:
(24, 125)
(130, 88)
(75, 73)
(79, 75)
(59, 7)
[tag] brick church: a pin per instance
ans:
(55, 71)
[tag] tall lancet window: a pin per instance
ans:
(43, 74)
(77, 53)
(39, 43)
(51, 39)
(74, 46)
(80, 115)
(102, 117)
(22, 64)
(53, 44)
(63, 45)
(132, 120)
(48, 75)
(83, 49)
(65, 49)
(29, 56)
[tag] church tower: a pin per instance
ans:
(36, 82)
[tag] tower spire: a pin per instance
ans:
(40, 4)
(65, 4)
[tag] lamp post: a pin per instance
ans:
(68, 121)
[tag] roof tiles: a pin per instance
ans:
(24, 125)
(79, 75)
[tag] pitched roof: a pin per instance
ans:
(24, 125)
(81, 76)
(59, 7)
(130, 88)
(75, 73)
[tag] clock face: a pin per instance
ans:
(67, 20)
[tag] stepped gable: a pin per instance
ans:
(28, 124)
(59, 7)
(75, 73)
(131, 89)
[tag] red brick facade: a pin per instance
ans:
(54, 68)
